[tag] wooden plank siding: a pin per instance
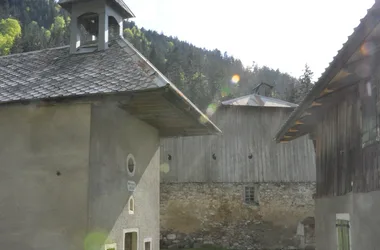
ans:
(338, 149)
(245, 152)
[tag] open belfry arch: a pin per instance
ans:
(95, 18)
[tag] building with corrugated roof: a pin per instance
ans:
(341, 115)
(241, 189)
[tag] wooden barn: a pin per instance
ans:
(344, 122)
(240, 189)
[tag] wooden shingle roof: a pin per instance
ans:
(55, 74)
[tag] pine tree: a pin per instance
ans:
(303, 86)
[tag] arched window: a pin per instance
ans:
(88, 25)
(113, 28)
(131, 205)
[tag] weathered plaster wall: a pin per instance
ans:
(43, 176)
(214, 213)
(114, 135)
(363, 209)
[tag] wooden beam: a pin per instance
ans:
(326, 91)
(341, 75)
(299, 122)
(367, 25)
(367, 52)
(369, 47)
(344, 83)
(292, 130)
(315, 104)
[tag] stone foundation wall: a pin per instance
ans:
(196, 214)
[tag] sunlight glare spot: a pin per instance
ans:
(225, 91)
(235, 79)
(202, 119)
(363, 70)
(165, 168)
(367, 48)
(94, 240)
(211, 109)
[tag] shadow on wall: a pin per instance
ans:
(114, 135)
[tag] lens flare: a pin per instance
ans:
(363, 70)
(225, 91)
(367, 48)
(202, 119)
(235, 79)
(165, 168)
(211, 109)
(95, 240)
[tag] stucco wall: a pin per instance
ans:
(363, 209)
(114, 135)
(193, 214)
(43, 176)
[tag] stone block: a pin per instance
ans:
(171, 236)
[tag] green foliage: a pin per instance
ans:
(128, 34)
(303, 86)
(203, 75)
(57, 32)
(10, 30)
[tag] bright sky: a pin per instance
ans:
(277, 33)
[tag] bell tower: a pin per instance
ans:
(92, 22)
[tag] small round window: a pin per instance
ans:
(131, 165)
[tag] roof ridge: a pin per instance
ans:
(322, 81)
(34, 52)
(269, 97)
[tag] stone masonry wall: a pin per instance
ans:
(196, 214)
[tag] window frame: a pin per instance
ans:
(149, 239)
(131, 230)
(255, 195)
(131, 157)
(131, 199)
(110, 246)
(346, 218)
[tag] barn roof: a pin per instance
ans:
(353, 64)
(258, 101)
(120, 71)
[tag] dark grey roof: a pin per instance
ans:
(127, 13)
(335, 72)
(56, 74)
(259, 101)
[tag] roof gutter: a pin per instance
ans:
(194, 111)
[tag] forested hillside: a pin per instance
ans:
(205, 76)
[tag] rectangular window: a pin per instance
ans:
(148, 244)
(130, 239)
(110, 246)
(251, 195)
(343, 231)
